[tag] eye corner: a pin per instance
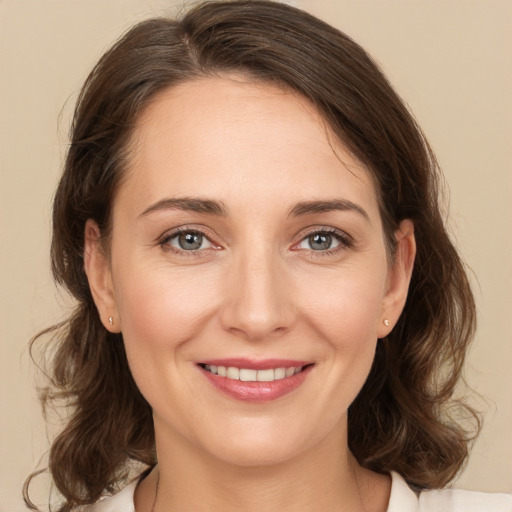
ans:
(197, 239)
(332, 241)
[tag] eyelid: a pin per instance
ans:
(163, 239)
(346, 240)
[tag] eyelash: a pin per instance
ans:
(164, 241)
(345, 241)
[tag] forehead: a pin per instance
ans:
(212, 135)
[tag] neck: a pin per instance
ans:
(327, 477)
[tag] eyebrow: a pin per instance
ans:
(218, 208)
(193, 204)
(308, 207)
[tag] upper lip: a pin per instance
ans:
(255, 364)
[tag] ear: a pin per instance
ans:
(399, 277)
(97, 269)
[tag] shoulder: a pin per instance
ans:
(405, 499)
(120, 502)
(464, 501)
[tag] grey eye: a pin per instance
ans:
(319, 242)
(190, 241)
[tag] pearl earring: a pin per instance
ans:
(110, 320)
(386, 322)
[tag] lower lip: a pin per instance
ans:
(257, 392)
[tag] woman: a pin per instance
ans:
(268, 303)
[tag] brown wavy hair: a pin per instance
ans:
(405, 418)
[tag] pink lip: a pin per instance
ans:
(257, 392)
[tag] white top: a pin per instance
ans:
(402, 499)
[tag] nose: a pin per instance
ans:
(257, 300)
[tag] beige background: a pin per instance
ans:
(451, 61)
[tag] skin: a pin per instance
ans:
(256, 289)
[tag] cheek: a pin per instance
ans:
(344, 305)
(160, 313)
(345, 317)
(159, 309)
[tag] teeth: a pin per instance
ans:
(279, 373)
(247, 375)
(289, 372)
(233, 373)
(265, 375)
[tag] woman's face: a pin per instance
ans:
(248, 271)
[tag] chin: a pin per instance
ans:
(253, 445)
(256, 455)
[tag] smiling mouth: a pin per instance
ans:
(256, 381)
(251, 375)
